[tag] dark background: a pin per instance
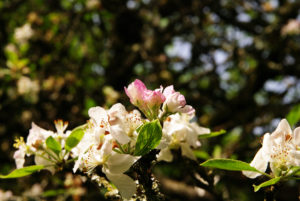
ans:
(236, 62)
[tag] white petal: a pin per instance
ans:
(165, 155)
(41, 161)
(98, 114)
(259, 163)
(296, 137)
(187, 151)
(117, 111)
(296, 157)
(199, 129)
(267, 146)
(19, 157)
(119, 134)
(282, 129)
(119, 163)
(124, 183)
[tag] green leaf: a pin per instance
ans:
(22, 172)
(201, 154)
(213, 134)
(149, 137)
(75, 137)
(294, 115)
(267, 183)
(228, 164)
(53, 145)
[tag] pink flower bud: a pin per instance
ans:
(175, 102)
(135, 91)
(146, 100)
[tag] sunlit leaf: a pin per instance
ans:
(267, 183)
(149, 137)
(229, 164)
(22, 172)
(213, 134)
(75, 137)
(53, 145)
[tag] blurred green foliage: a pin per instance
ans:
(237, 63)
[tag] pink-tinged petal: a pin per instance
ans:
(282, 129)
(169, 91)
(136, 91)
(296, 137)
(259, 163)
(188, 110)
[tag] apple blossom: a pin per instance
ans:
(279, 149)
(35, 145)
(180, 132)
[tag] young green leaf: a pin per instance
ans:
(74, 138)
(229, 164)
(213, 134)
(267, 183)
(53, 145)
(294, 115)
(149, 137)
(22, 172)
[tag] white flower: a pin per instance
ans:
(281, 150)
(180, 132)
(123, 124)
(113, 165)
(37, 137)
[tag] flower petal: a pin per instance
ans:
(19, 157)
(119, 134)
(259, 163)
(267, 146)
(98, 114)
(282, 129)
(124, 183)
(41, 161)
(119, 163)
(187, 151)
(165, 155)
(296, 137)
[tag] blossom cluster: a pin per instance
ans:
(112, 139)
(280, 150)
